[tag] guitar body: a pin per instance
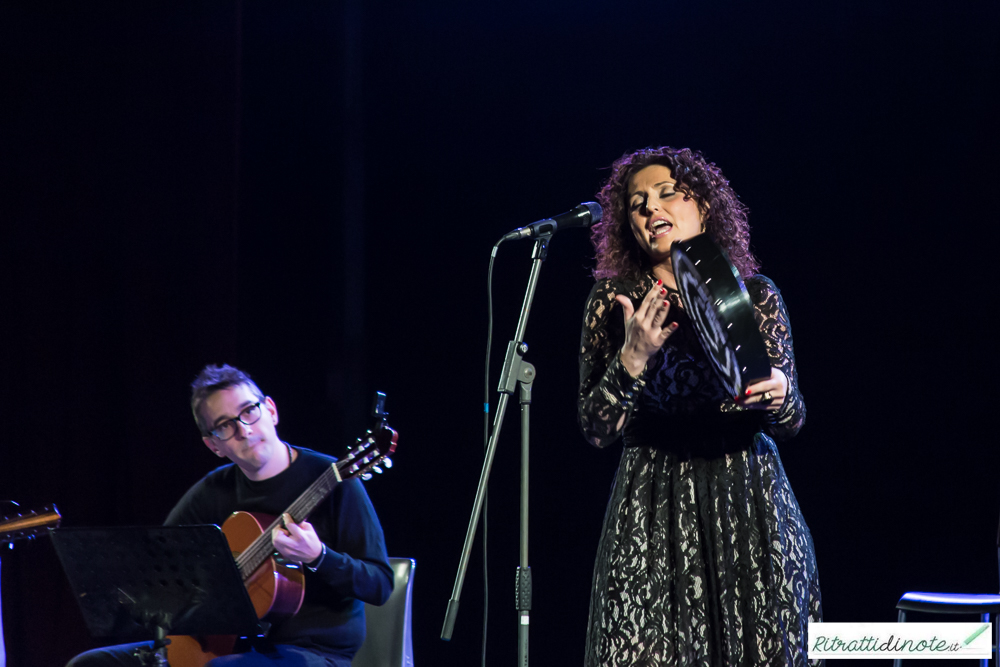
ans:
(275, 589)
(186, 651)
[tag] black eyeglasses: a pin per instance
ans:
(227, 429)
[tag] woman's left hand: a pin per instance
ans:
(767, 394)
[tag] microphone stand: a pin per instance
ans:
(516, 371)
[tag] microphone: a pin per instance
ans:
(583, 215)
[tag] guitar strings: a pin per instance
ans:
(262, 548)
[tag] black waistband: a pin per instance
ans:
(695, 436)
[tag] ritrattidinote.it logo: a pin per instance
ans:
(900, 640)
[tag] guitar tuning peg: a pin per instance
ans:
(367, 476)
(387, 462)
(378, 471)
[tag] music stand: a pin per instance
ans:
(141, 583)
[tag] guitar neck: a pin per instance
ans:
(29, 524)
(361, 458)
(262, 548)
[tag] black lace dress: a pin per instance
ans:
(705, 558)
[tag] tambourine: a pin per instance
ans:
(717, 302)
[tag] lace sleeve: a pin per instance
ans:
(772, 317)
(607, 391)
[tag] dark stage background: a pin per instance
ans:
(311, 192)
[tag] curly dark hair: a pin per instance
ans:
(618, 253)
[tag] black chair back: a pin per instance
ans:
(390, 640)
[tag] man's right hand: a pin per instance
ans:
(297, 542)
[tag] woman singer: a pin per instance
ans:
(704, 558)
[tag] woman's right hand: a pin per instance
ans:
(644, 330)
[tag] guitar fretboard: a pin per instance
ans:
(262, 548)
(360, 459)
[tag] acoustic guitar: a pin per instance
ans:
(277, 588)
(26, 525)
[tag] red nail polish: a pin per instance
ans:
(663, 290)
(748, 392)
(659, 282)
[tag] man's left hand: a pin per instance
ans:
(297, 542)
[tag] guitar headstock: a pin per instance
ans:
(26, 525)
(371, 451)
(378, 408)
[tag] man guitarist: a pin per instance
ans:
(341, 546)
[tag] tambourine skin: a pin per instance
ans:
(717, 302)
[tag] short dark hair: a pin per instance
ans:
(618, 253)
(213, 378)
